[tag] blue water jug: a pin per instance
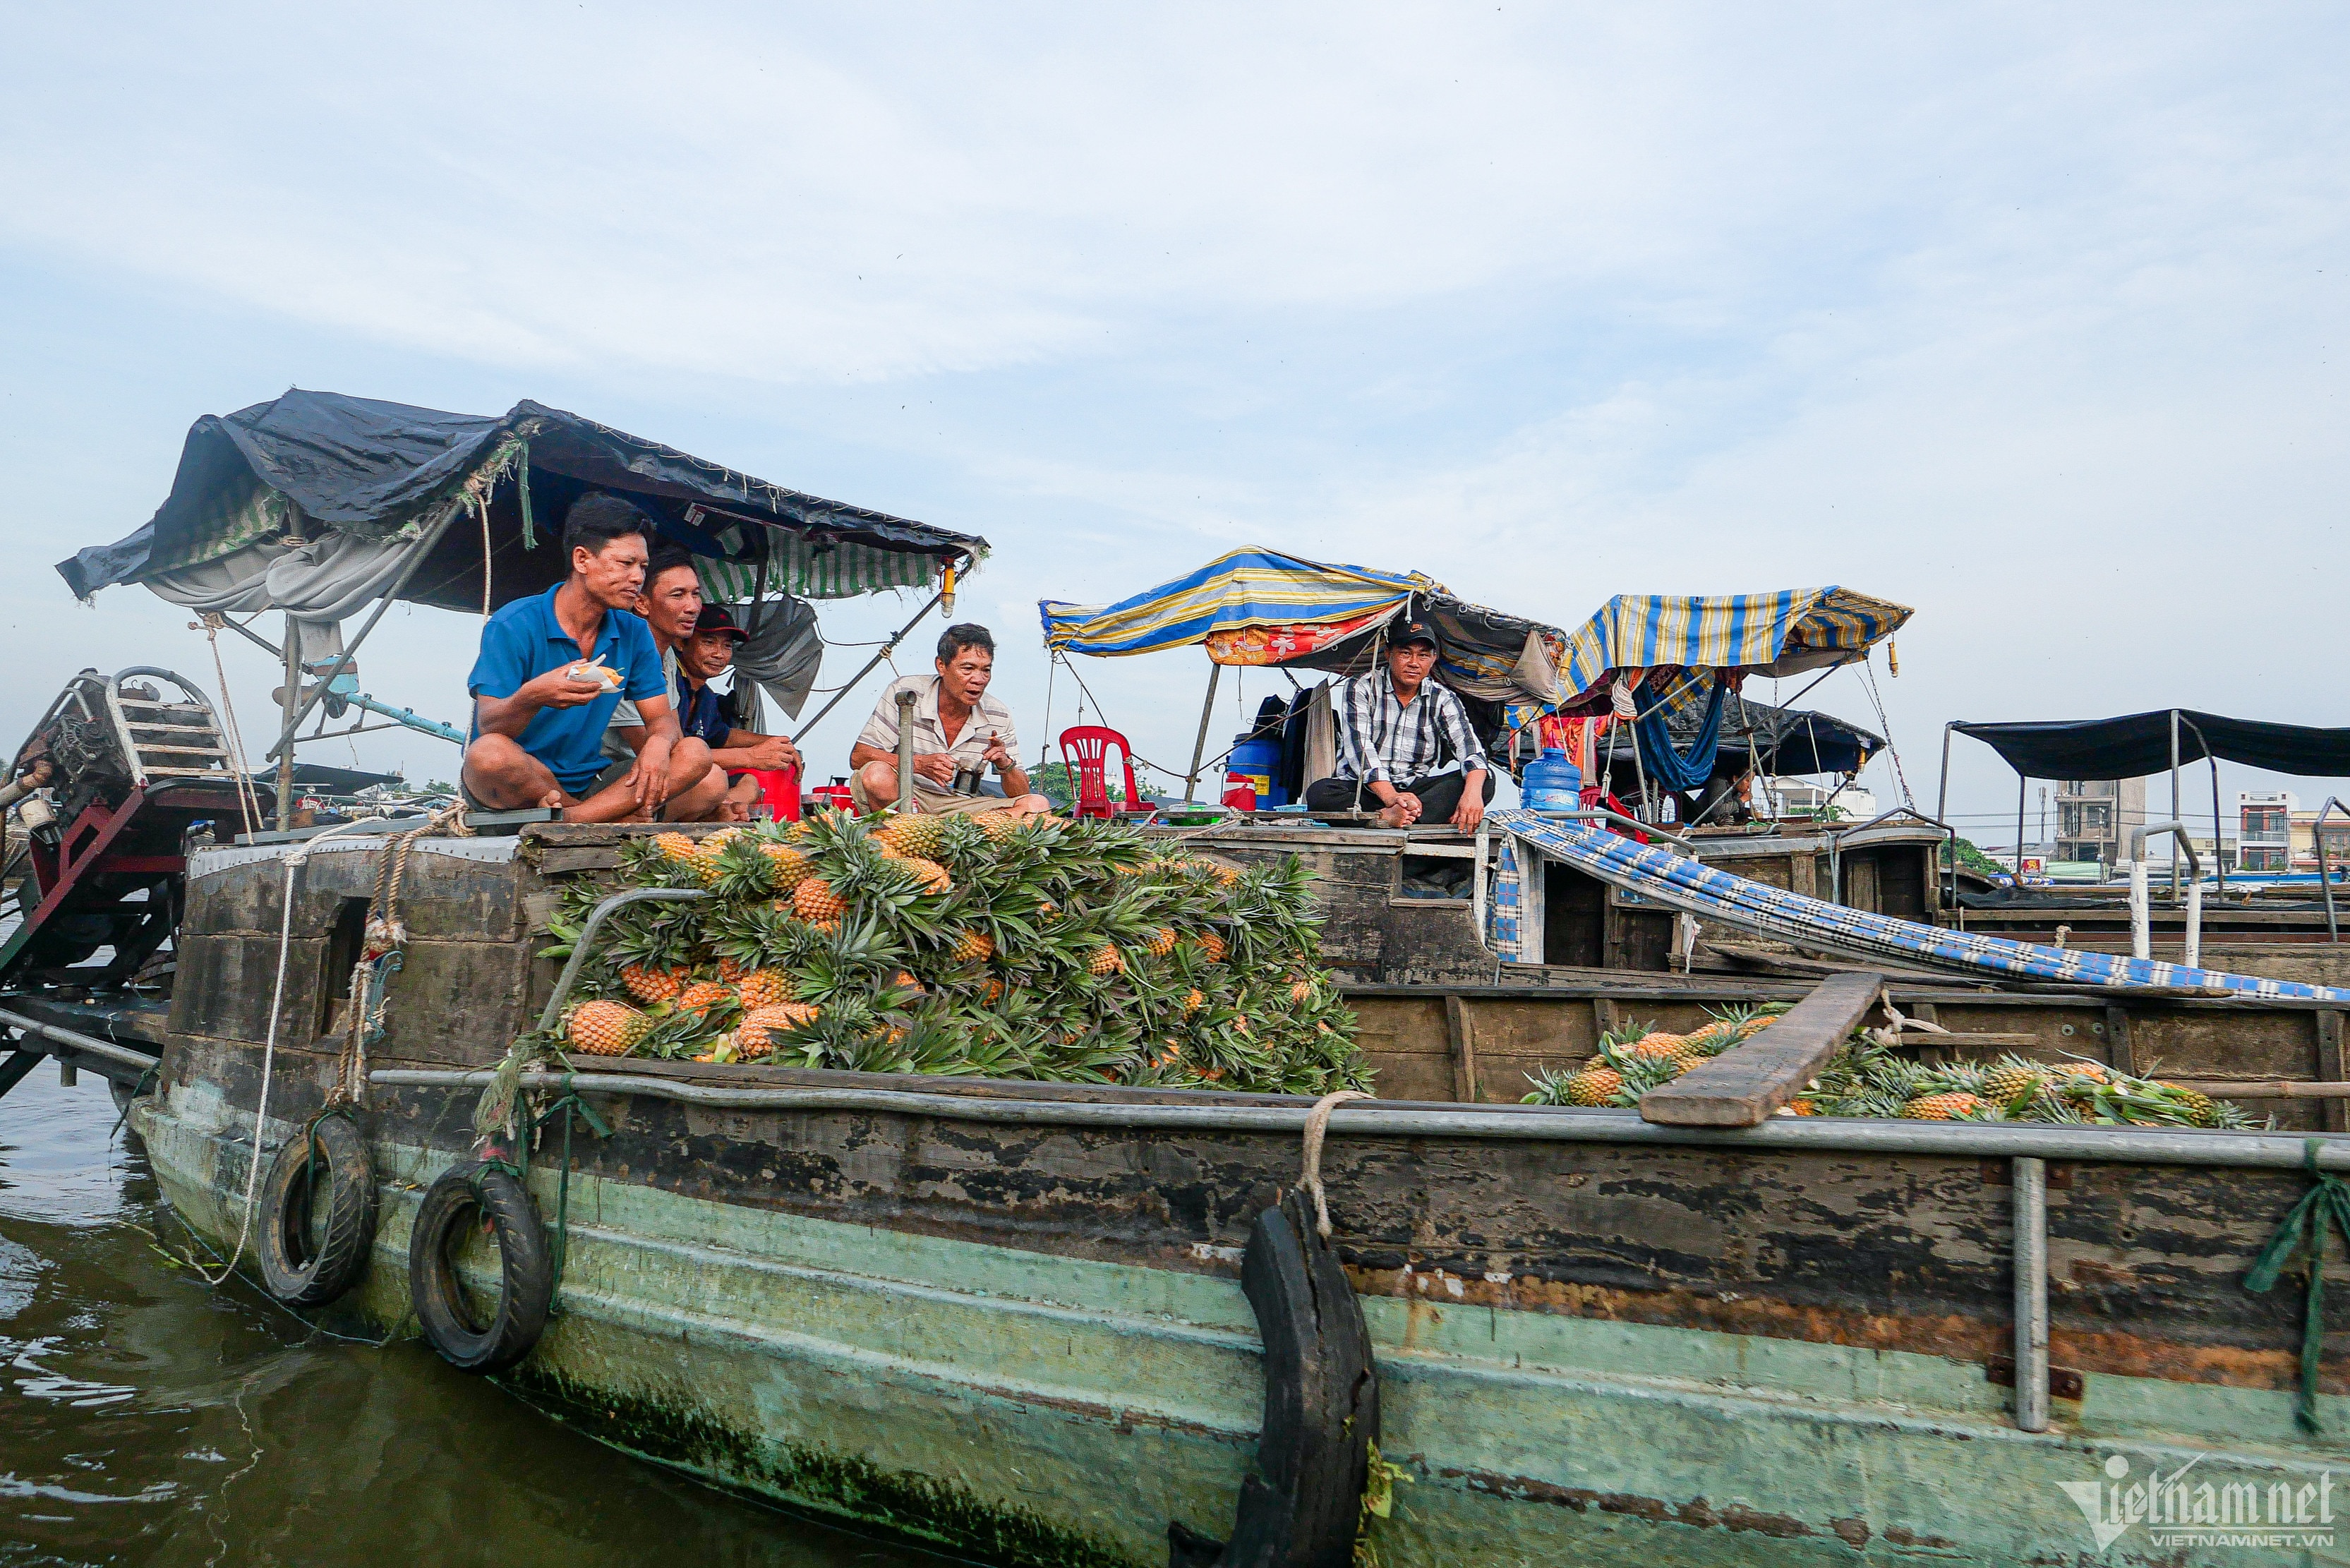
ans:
(1257, 764)
(1552, 783)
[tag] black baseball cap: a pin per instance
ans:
(1413, 631)
(713, 617)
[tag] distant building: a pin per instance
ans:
(2277, 835)
(2094, 817)
(2264, 830)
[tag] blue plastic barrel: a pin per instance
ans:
(1257, 764)
(1552, 783)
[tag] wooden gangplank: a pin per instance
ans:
(1748, 1082)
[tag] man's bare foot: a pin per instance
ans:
(554, 800)
(1397, 816)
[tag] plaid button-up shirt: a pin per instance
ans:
(1382, 739)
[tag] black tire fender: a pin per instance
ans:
(291, 1269)
(476, 1192)
(1302, 1503)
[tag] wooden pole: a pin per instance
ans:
(292, 694)
(1200, 746)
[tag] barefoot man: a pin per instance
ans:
(1405, 747)
(551, 668)
(957, 725)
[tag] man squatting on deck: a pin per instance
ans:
(552, 669)
(956, 726)
(1405, 745)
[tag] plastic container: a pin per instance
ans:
(1552, 783)
(779, 790)
(1257, 763)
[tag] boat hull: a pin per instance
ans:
(1032, 1372)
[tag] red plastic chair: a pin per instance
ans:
(1085, 751)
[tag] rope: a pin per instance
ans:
(1868, 677)
(2324, 1205)
(1317, 1122)
(570, 1103)
(294, 861)
(248, 802)
(380, 950)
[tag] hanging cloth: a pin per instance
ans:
(1674, 770)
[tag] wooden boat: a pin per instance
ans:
(1010, 1317)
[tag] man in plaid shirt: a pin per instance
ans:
(1405, 747)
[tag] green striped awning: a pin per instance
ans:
(808, 571)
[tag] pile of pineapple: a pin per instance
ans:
(974, 945)
(1635, 1060)
(1869, 1078)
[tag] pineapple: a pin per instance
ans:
(684, 856)
(1802, 1107)
(972, 945)
(2010, 1081)
(756, 1035)
(814, 901)
(994, 993)
(605, 1028)
(916, 834)
(1161, 942)
(1301, 990)
(652, 985)
(1212, 946)
(1193, 1000)
(1104, 961)
(930, 874)
(1593, 1086)
(2199, 1107)
(732, 970)
(765, 988)
(788, 867)
(707, 850)
(702, 995)
(997, 824)
(1048, 910)
(1942, 1107)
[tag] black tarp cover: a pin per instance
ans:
(372, 468)
(2138, 744)
(1794, 741)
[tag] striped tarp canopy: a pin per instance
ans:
(1245, 589)
(1782, 633)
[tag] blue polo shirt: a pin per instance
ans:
(524, 641)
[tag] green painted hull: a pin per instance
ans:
(1038, 1408)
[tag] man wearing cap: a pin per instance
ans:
(1405, 747)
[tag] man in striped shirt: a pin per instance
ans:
(1405, 747)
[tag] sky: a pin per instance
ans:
(2029, 318)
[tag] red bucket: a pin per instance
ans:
(779, 790)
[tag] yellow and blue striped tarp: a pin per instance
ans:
(1244, 588)
(1781, 633)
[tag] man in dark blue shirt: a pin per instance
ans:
(555, 665)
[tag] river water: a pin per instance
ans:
(146, 1420)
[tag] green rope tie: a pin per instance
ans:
(568, 1104)
(522, 480)
(2327, 1203)
(146, 1081)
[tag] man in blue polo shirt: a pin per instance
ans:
(551, 668)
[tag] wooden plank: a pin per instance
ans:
(1603, 1015)
(2333, 1094)
(2336, 1116)
(556, 862)
(1745, 1083)
(2120, 1055)
(1462, 1042)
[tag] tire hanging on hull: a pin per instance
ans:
(1302, 1503)
(480, 1191)
(305, 1267)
